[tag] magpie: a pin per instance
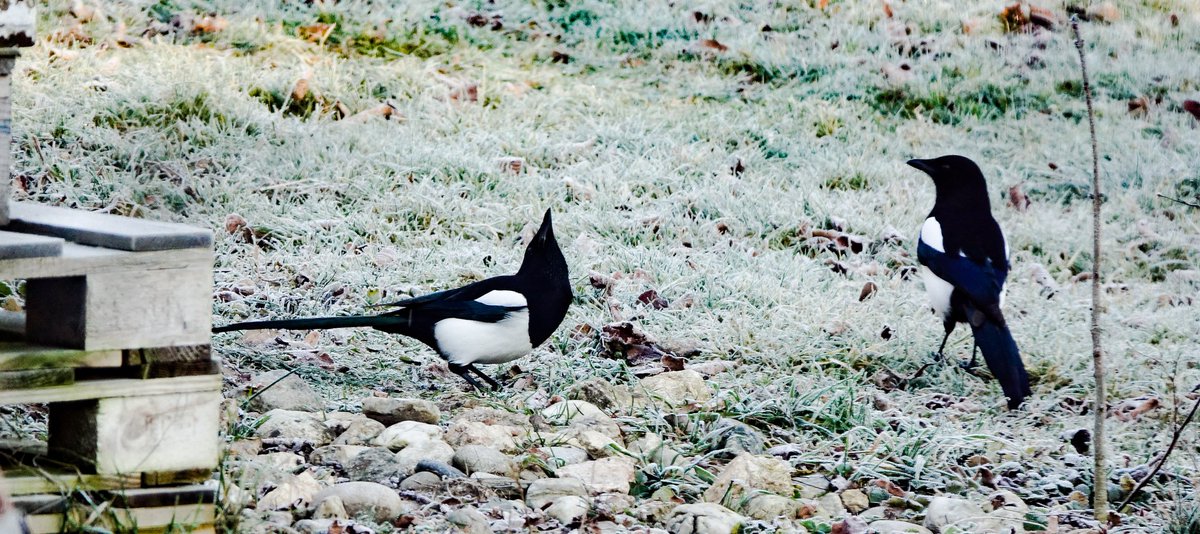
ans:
(965, 262)
(491, 321)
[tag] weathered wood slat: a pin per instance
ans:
(30, 481)
(174, 478)
(19, 355)
(36, 378)
(194, 518)
(159, 497)
(145, 433)
(120, 387)
(105, 230)
(186, 353)
(17, 245)
(120, 310)
(78, 260)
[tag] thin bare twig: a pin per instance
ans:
(1162, 459)
(1184, 202)
(1099, 473)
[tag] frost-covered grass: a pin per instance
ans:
(630, 127)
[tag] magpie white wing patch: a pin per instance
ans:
(503, 298)
(463, 341)
(931, 234)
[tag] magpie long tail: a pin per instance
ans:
(1004, 360)
(318, 323)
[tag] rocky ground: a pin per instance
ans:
(575, 464)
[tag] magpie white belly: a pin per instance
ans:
(463, 341)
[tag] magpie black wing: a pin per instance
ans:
(468, 292)
(471, 310)
(981, 281)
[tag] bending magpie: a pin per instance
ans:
(496, 320)
(965, 262)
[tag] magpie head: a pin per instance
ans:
(543, 251)
(954, 176)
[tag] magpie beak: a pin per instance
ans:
(965, 264)
(496, 320)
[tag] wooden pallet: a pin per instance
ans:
(114, 340)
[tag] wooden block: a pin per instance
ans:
(36, 378)
(120, 387)
(45, 523)
(78, 260)
(159, 497)
(105, 230)
(188, 353)
(196, 519)
(120, 310)
(15, 245)
(153, 433)
(32, 481)
(20, 355)
(172, 478)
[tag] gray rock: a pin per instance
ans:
(503, 487)
(545, 491)
(596, 444)
(748, 474)
(339, 455)
(896, 527)
(767, 506)
(296, 491)
(326, 525)
(733, 437)
(294, 425)
(480, 459)
(560, 456)
(377, 464)
(290, 393)
(492, 416)
(434, 449)
(331, 508)
(703, 518)
(677, 388)
(568, 509)
(600, 423)
(653, 449)
(441, 469)
(602, 394)
(469, 521)
(564, 412)
(812, 486)
(830, 505)
(614, 504)
(463, 433)
(369, 498)
(285, 461)
(421, 481)
(945, 511)
(855, 500)
(359, 432)
(405, 433)
(390, 411)
(600, 476)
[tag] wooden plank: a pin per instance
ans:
(170, 478)
(30, 481)
(152, 433)
(36, 378)
(40, 504)
(45, 523)
(197, 519)
(77, 260)
(17, 245)
(120, 310)
(21, 355)
(119, 387)
(151, 370)
(186, 353)
(105, 230)
(159, 497)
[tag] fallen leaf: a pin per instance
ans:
(1013, 18)
(512, 164)
(1133, 409)
(653, 299)
(235, 223)
(209, 24)
(887, 10)
(1193, 107)
(890, 487)
(313, 338)
(1042, 17)
(868, 291)
(1139, 106)
(316, 33)
(386, 110)
(714, 44)
(582, 331)
(1017, 198)
(672, 363)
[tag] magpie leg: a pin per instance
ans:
(939, 355)
(974, 353)
(461, 370)
(491, 382)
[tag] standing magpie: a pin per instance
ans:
(496, 320)
(965, 259)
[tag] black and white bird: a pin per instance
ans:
(965, 259)
(491, 321)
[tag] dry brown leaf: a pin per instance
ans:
(300, 89)
(1193, 107)
(313, 338)
(1042, 17)
(1139, 106)
(1017, 198)
(209, 24)
(235, 223)
(868, 291)
(1013, 18)
(512, 164)
(386, 110)
(890, 487)
(673, 363)
(653, 299)
(887, 10)
(713, 44)
(1133, 409)
(582, 331)
(315, 33)
(822, 4)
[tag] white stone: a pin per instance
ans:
(568, 509)
(464, 433)
(434, 449)
(405, 433)
(564, 412)
(600, 476)
(703, 518)
(747, 474)
(295, 492)
(677, 388)
(544, 491)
